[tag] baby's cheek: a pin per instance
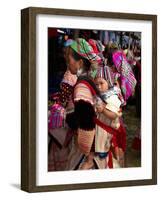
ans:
(105, 88)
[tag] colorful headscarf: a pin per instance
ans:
(97, 46)
(84, 49)
(127, 78)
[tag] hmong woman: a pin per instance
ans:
(81, 61)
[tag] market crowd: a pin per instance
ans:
(85, 119)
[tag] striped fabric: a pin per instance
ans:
(127, 78)
(85, 140)
(82, 92)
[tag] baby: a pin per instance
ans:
(112, 99)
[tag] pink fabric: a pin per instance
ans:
(127, 78)
(69, 78)
(56, 119)
(117, 58)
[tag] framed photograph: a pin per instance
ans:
(88, 99)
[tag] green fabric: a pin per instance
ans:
(83, 48)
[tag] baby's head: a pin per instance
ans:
(101, 84)
(101, 79)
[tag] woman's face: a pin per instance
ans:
(73, 65)
(101, 84)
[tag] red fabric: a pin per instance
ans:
(114, 140)
(136, 144)
(88, 85)
(104, 126)
(119, 135)
(94, 45)
(110, 162)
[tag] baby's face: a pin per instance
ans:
(101, 84)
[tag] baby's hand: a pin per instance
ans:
(119, 113)
(100, 107)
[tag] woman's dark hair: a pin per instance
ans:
(78, 57)
(109, 58)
